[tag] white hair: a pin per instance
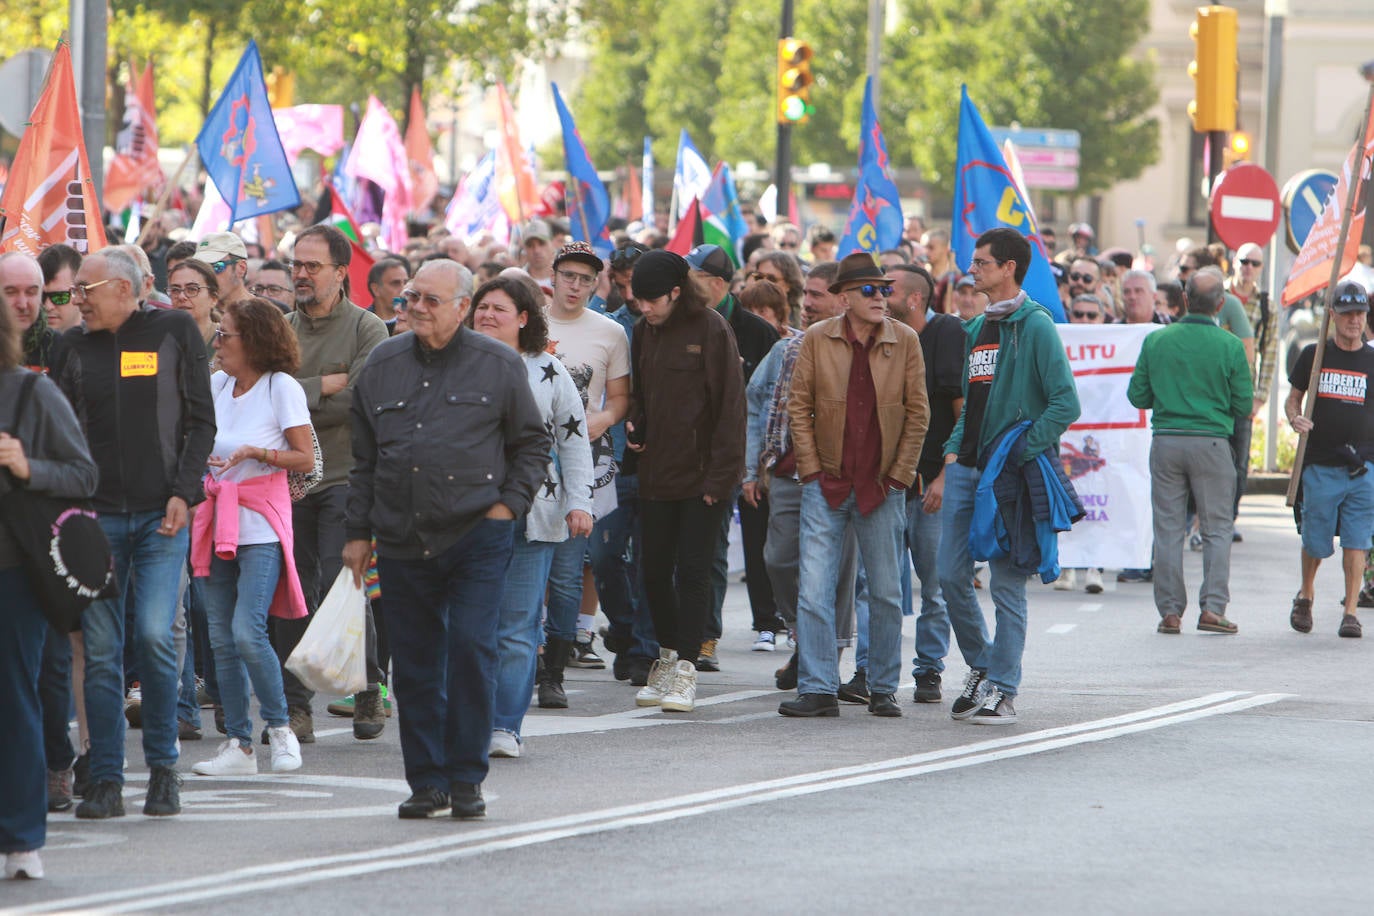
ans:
(1142, 273)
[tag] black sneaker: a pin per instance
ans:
(997, 709)
(706, 658)
(639, 670)
(810, 706)
(856, 691)
(884, 705)
(970, 698)
(426, 802)
(620, 666)
(928, 688)
(81, 775)
(582, 655)
(468, 802)
(103, 799)
(164, 793)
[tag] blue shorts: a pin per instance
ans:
(1335, 503)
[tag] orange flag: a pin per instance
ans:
(1311, 270)
(633, 192)
(134, 169)
(420, 153)
(515, 183)
(50, 196)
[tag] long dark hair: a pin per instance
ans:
(534, 336)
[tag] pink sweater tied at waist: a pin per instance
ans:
(215, 528)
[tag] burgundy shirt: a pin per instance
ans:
(863, 438)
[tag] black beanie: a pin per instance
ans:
(656, 273)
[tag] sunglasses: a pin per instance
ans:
(61, 297)
(409, 297)
(1087, 316)
(1184, 269)
(871, 290)
(622, 258)
(1082, 278)
(1250, 262)
(219, 266)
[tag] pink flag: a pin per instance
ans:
(379, 155)
(317, 127)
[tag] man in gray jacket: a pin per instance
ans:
(448, 450)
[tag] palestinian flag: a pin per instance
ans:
(332, 210)
(697, 228)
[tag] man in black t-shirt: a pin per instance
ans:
(1337, 488)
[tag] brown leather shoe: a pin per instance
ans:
(1350, 627)
(1210, 622)
(1300, 618)
(1172, 624)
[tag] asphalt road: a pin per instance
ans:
(1147, 774)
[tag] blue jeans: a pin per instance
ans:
(237, 596)
(615, 550)
(443, 653)
(565, 587)
(932, 626)
(55, 697)
(157, 561)
(999, 657)
(23, 783)
(861, 613)
(880, 538)
(517, 650)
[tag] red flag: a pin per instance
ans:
(1312, 269)
(361, 263)
(688, 234)
(515, 183)
(420, 153)
(50, 196)
(134, 168)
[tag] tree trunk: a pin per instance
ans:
(205, 86)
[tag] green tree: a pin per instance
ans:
(610, 101)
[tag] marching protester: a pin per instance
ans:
(44, 450)
(242, 535)
(1337, 490)
(505, 309)
(449, 449)
(60, 264)
(193, 287)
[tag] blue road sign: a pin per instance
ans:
(1303, 197)
(1037, 136)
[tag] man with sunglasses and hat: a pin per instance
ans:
(858, 413)
(228, 258)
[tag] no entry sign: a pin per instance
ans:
(1245, 206)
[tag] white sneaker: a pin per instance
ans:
(1092, 580)
(230, 761)
(1067, 581)
(682, 690)
(660, 676)
(766, 642)
(23, 865)
(504, 744)
(286, 749)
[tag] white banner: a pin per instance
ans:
(1107, 452)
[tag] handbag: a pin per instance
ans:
(331, 656)
(299, 483)
(64, 550)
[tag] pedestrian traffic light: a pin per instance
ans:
(1213, 69)
(1238, 149)
(794, 81)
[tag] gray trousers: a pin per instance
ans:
(1204, 466)
(782, 557)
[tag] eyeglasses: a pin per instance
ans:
(409, 297)
(266, 289)
(219, 266)
(1087, 316)
(982, 263)
(220, 334)
(1251, 262)
(576, 279)
(623, 258)
(1082, 278)
(871, 290)
(60, 297)
(190, 290)
(310, 267)
(84, 289)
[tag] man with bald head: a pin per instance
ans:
(151, 424)
(449, 448)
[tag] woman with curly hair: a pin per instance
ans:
(241, 537)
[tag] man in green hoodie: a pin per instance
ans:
(1015, 369)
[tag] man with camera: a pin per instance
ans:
(1337, 490)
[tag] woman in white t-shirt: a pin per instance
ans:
(242, 535)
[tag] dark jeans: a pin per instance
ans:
(444, 614)
(200, 638)
(23, 784)
(55, 695)
(753, 522)
(318, 523)
(1240, 444)
(615, 549)
(680, 541)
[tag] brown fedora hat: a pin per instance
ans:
(855, 268)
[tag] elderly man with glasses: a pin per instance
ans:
(335, 339)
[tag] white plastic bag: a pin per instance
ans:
(332, 655)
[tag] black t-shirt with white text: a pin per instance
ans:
(981, 367)
(1344, 412)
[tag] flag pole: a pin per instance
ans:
(1314, 378)
(166, 193)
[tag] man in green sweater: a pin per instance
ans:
(1195, 377)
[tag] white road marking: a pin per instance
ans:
(283, 874)
(1059, 628)
(331, 732)
(1090, 606)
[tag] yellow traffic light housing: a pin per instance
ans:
(281, 88)
(794, 81)
(1214, 69)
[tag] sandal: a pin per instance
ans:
(1171, 625)
(1300, 617)
(1211, 622)
(1350, 627)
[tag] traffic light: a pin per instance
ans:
(1213, 69)
(794, 81)
(281, 87)
(1238, 149)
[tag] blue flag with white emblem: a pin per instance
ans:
(589, 206)
(986, 196)
(240, 148)
(875, 215)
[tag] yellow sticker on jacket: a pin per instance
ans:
(134, 364)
